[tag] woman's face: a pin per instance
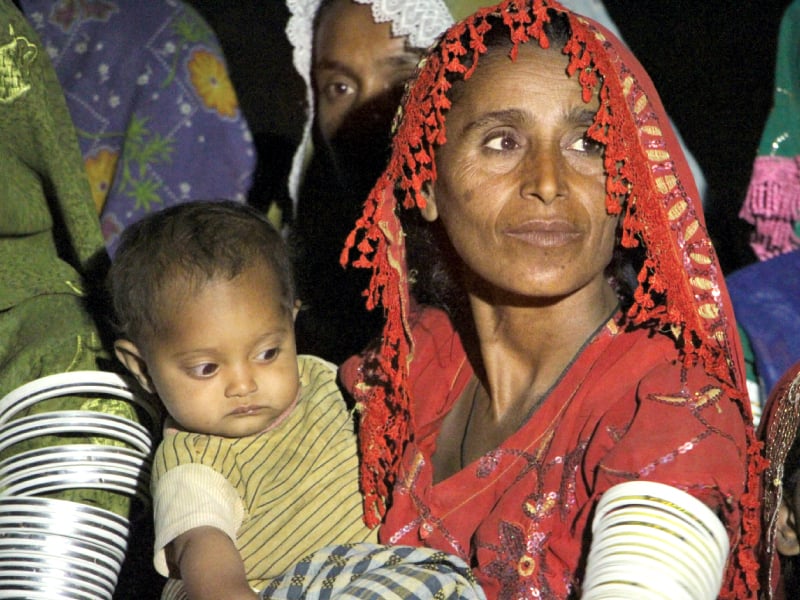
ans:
(521, 189)
(356, 61)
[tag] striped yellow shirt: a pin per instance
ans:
(279, 495)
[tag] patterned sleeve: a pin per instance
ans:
(187, 493)
(682, 430)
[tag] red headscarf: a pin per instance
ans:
(680, 285)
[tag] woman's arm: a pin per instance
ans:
(210, 565)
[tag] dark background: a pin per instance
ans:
(711, 60)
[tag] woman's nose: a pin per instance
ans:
(241, 382)
(543, 174)
(374, 87)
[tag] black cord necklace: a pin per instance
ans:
(462, 453)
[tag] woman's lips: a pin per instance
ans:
(544, 234)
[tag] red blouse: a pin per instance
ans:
(521, 514)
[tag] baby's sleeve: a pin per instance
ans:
(186, 496)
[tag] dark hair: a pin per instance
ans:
(189, 244)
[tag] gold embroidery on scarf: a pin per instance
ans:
(666, 184)
(700, 259)
(702, 283)
(708, 311)
(658, 155)
(16, 58)
(641, 104)
(653, 130)
(691, 228)
(677, 209)
(627, 85)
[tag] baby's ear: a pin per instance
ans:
(128, 354)
(786, 541)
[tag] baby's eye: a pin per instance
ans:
(268, 354)
(502, 142)
(203, 370)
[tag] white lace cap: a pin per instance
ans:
(420, 20)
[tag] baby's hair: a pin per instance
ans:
(189, 245)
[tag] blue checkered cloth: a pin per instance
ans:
(371, 571)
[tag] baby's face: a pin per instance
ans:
(227, 364)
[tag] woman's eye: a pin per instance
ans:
(587, 144)
(337, 89)
(268, 355)
(203, 370)
(502, 142)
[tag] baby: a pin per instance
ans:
(258, 464)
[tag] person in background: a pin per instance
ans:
(355, 57)
(258, 463)
(766, 294)
(51, 248)
(581, 335)
(147, 87)
(779, 431)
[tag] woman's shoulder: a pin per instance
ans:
(433, 338)
(651, 361)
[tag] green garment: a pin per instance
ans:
(50, 239)
(781, 135)
(463, 8)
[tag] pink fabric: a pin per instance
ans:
(772, 204)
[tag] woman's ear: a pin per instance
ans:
(429, 212)
(786, 541)
(128, 354)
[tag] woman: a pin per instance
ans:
(355, 57)
(51, 248)
(51, 255)
(779, 431)
(587, 339)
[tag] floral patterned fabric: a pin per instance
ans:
(148, 89)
